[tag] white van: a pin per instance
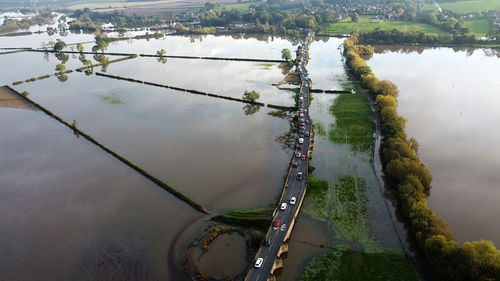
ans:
(301, 140)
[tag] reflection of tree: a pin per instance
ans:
(250, 109)
(62, 57)
(62, 78)
(287, 139)
(103, 60)
(162, 60)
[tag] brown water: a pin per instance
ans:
(225, 258)
(70, 212)
(450, 98)
(204, 147)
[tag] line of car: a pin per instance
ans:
(303, 123)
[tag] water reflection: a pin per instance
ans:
(459, 91)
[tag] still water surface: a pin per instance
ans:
(450, 98)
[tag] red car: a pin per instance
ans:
(303, 157)
(276, 223)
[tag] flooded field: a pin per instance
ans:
(182, 139)
(344, 201)
(80, 214)
(452, 115)
(237, 45)
(71, 212)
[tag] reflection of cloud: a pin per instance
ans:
(10, 99)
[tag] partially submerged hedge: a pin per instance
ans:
(411, 180)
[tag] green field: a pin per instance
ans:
(471, 6)
(242, 7)
(340, 265)
(367, 23)
(479, 27)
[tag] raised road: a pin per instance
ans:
(266, 260)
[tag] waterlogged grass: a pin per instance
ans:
(343, 207)
(348, 265)
(480, 27)
(265, 66)
(353, 122)
(367, 23)
(259, 217)
(112, 99)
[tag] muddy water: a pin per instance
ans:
(228, 78)
(225, 258)
(361, 223)
(207, 148)
(70, 212)
(457, 130)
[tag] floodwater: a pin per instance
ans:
(72, 212)
(68, 211)
(328, 221)
(450, 99)
(227, 78)
(207, 148)
(237, 45)
(225, 258)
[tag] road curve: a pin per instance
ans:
(293, 186)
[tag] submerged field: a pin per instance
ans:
(82, 214)
(344, 226)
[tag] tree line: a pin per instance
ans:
(394, 36)
(410, 180)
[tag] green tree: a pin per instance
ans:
(286, 54)
(101, 43)
(59, 45)
(80, 47)
(251, 96)
(354, 17)
(161, 53)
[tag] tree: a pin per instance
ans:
(161, 53)
(80, 47)
(251, 96)
(355, 17)
(59, 45)
(101, 43)
(286, 54)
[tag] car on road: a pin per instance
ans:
(298, 154)
(293, 200)
(301, 140)
(301, 114)
(303, 157)
(307, 134)
(302, 124)
(276, 224)
(294, 165)
(283, 227)
(307, 121)
(268, 241)
(259, 262)
(299, 176)
(283, 206)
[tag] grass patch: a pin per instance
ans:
(259, 217)
(265, 66)
(480, 27)
(367, 23)
(471, 6)
(112, 99)
(242, 7)
(353, 122)
(346, 265)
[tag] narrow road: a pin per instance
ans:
(295, 184)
